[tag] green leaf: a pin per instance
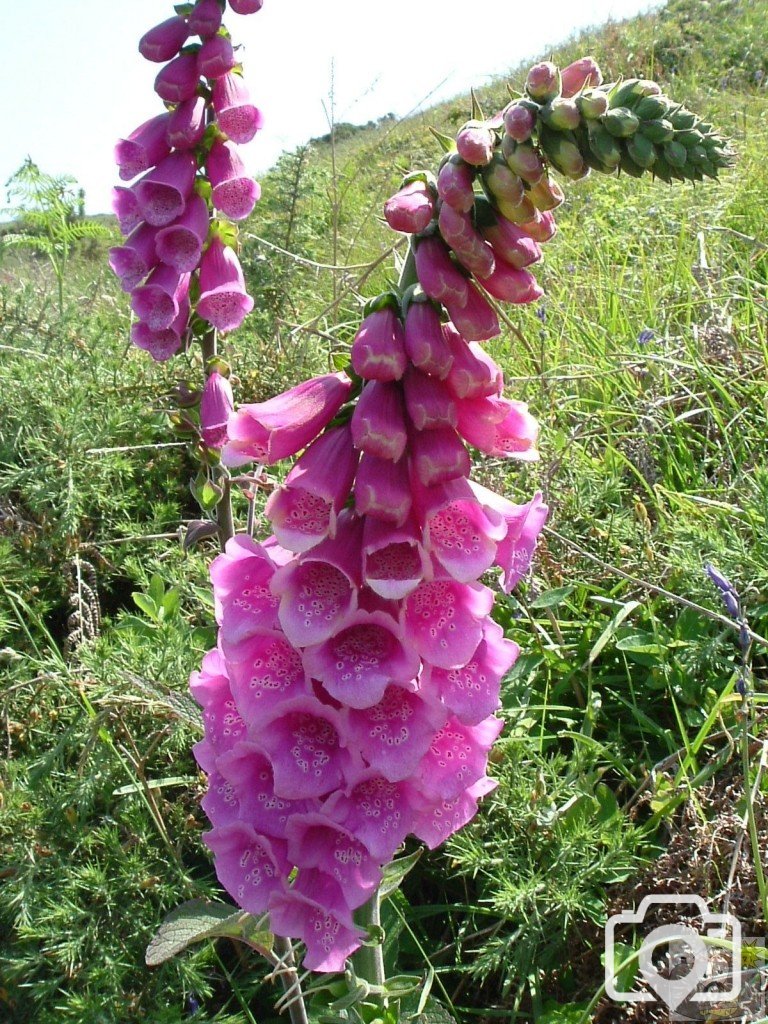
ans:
(171, 603)
(156, 589)
(395, 872)
(640, 643)
(610, 629)
(552, 598)
(146, 604)
(198, 920)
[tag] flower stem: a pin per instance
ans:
(369, 960)
(289, 976)
(408, 273)
(749, 795)
(224, 517)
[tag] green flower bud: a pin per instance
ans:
(682, 119)
(641, 150)
(652, 107)
(697, 155)
(675, 154)
(630, 93)
(562, 151)
(689, 138)
(621, 122)
(592, 104)
(561, 114)
(629, 166)
(605, 148)
(658, 131)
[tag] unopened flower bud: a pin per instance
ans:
(579, 75)
(543, 81)
(519, 121)
(475, 143)
(454, 183)
(561, 114)
(215, 406)
(411, 208)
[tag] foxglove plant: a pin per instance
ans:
(351, 699)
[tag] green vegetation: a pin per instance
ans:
(646, 364)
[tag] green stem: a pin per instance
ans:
(408, 273)
(289, 978)
(369, 960)
(224, 517)
(751, 821)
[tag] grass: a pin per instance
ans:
(646, 365)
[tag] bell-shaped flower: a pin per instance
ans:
(383, 489)
(524, 524)
(146, 146)
(126, 209)
(457, 758)
(186, 126)
(247, 773)
(439, 455)
(216, 57)
(223, 301)
(133, 260)
(158, 300)
(378, 351)
(440, 819)
(394, 561)
(236, 116)
(395, 734)
(234, 192)
(302, 740)
(378, 421)
(205, 19)
(283, 425)
(475, 319)
(162, 344)
(330, 935)
(455, 183)
(319, 590)
(163, 192)
(357, 664)
(472, 691)
(303, 511)
(428, 401)
(511, 243)
(424, 342)
(473, 373)
(438, 275)
(411, 208)
(179, 79)
(164, 41)
(468, 244)
(265, 671)
(444, 620)
(220, 804)
(458, 531)
(181, 243)
(243, 601)
(375, 810)
(509, 284)
(315, 841)
(251, 867)
(209, 686)
(500, 427)
(216, 404)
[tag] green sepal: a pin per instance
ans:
(675, 154)
(184, 10)
(387, 300)
(592, 104)
(190, 48)
(657, 131)
(604, 146)
(414, 293)
(477, 111)
(204, 189)
(447, 142)
(630, 92)
(228, 232)
(620, 122)
(426, 176)
(485, 214)
(216, 364)
(629, 166)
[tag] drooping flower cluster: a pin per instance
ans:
(176, 259)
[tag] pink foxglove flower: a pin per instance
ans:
(181, 243)
(475, 144)
(133, 260)
(438, 275)
(473, 373)
(411, 209)
(330, 935)
(383, 489)
(179, 79)
(236, 116)
(510, 284)
(165, 40)
(273, 430)
(378, 351)
(246, 6)
(580, 74)
(476, 319)
(146, 146)
(512, 243)
(524, 524)
(205, 19)
(216, 57)
(234, 192)
(455, 183)
(498, 426)
(163, 192)
(304, 511)
(186, 125)
(158, 300)
(223, 302)
(215, 406)
(425, 344)
(126, 209)
(470, 247)
(428, 401)
(378, 422)
(519, 122)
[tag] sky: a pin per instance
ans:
(74, 81)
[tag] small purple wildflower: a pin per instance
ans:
(541, 313)
(645, 336)
(727, 590)
(193, 1005)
